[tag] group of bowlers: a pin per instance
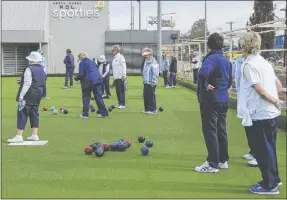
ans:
(258, 105)
(257, 87)
(94, 77)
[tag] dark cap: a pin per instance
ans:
(68, 51)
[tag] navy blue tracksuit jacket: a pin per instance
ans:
(88, 73)
(216, 70)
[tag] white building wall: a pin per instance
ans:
(34, 22)
(77, 34)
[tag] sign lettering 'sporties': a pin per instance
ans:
(72, 10)
(165, 23)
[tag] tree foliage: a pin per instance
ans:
(197, 29)
(263, 12)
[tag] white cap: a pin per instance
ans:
(102, 58)
(35, 57)
(147, 51)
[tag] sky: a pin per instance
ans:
(187, 12)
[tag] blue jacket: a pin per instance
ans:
(164, 65)
(216, 70)
(151, 72)
(69, 61)
(88, 73)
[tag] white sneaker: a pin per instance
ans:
(121, 107)
(253, 162)
(248, 156)
(33, 138)
(65, 87)
(117, 106)
(206, 168)
(167, 87)
(101, 116)
(145, 112)
(16, 139)
(174, 86)
(153, 113)
(84, 117)
(223, 165)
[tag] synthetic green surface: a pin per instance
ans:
(61, 170)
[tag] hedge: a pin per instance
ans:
(233, 102)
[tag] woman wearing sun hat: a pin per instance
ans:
(150, 76)
(29, 97)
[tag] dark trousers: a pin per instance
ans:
(262, 138)
(172, 78)
(195, 72)
(106, 86)
(31, 112)
(45, 88)
(120, 90)
(213, 117)
(96, 89)
(250, 151)
(166, 83)
(69, 75)
(149, 98)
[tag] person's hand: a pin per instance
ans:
(279, 104)
(20, 99)
(123, 78)
(18, 82)
(210, 87)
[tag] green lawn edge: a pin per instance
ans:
(233, 102)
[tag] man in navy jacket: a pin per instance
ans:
(91, 81)
(214, 80)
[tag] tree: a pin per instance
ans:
(263, 12)
(197, 31)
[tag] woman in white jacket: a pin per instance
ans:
(259, 108)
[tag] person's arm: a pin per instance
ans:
(66, 60)
(278, 85)
(27, 83)
(155, 73)
(124, 67)
(107, 70)
(204, 73)
(81, 74)
(253, 77)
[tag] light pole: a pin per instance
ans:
(159, 32)
(285, 39)
(230, 42)
(205, 28)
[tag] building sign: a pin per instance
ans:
(165, 23)
(75, 9)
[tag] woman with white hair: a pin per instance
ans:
(119, 73)
(259, 108)
(29, 97)
(150, 76)
(91, 82)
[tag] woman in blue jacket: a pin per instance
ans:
(150, 76)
